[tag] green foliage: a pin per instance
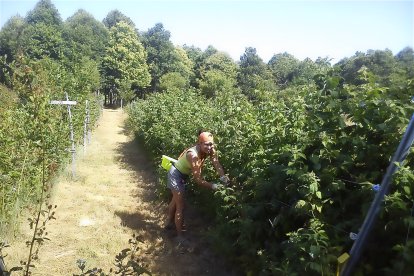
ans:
(41, 40)
(405, 58)
(195, 55)
(218, 74)
(389, 71)
(114, 17)
(283, 67)
(163, 57)
(303, 144)
(38, 224)
(127, 262)
(34, 124)
(125, 59)
(183, 64)
(254, 77)
(125, 91)
(288, 71)
(8, 99)
(214, 82)
(221, 62)
(84, 36)
(21, 138)
(296, 161)
(198, 57)
(11, 38)
(173, 80)
(44, 12)
(42, 36)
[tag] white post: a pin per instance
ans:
(85, 127)
(101, 103)
(73, 150)
(88, 120)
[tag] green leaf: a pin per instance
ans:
(313, 187)
(301, 203)
(319, 208)
(407, 190)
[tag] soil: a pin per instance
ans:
(111, 197)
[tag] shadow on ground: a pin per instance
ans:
(161, 252)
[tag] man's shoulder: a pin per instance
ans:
(192, 152)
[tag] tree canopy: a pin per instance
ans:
(44, 12)
(11, 37)
(124, 64)
(162, 55)
(42, 36)
(114, 17)
(85, 36)
(254, 76)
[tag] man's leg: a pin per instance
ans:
(178, 199)
(171, 213)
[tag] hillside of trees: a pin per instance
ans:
(304, 141)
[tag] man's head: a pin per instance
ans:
(205, 137)
(206, 141)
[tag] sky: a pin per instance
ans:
(306, 29)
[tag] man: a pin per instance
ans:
(191, 161)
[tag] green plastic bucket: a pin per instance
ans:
(166, 162)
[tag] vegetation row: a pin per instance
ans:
(304, 165)
(305, 142)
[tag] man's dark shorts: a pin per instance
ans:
(176, 180)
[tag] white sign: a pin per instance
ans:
(64, 102)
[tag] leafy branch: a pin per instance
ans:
(127, 262)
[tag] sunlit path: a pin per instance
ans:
(111, 197)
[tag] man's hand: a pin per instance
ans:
(216, 187)
(225, 179)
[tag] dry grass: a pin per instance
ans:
(111, 198)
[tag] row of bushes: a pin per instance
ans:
(304, 162)
(34, 133)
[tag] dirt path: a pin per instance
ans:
(111, 198)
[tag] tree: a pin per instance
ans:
(125, 61)
(114, 17)
(306, 71)
(198, 57)
(43, 35)
(218, 74)
(195, 55)
(162, 57)
(222, 62)
(254, 76)
(381, 64)
(209, 51)
(215, 83)
(85, 36)
(44, 12)
(11, 37)
(349, 67)
(173, 80)
(41, 41)
(183, 64)
(405, 59)
(8, 99)
(283, 67)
